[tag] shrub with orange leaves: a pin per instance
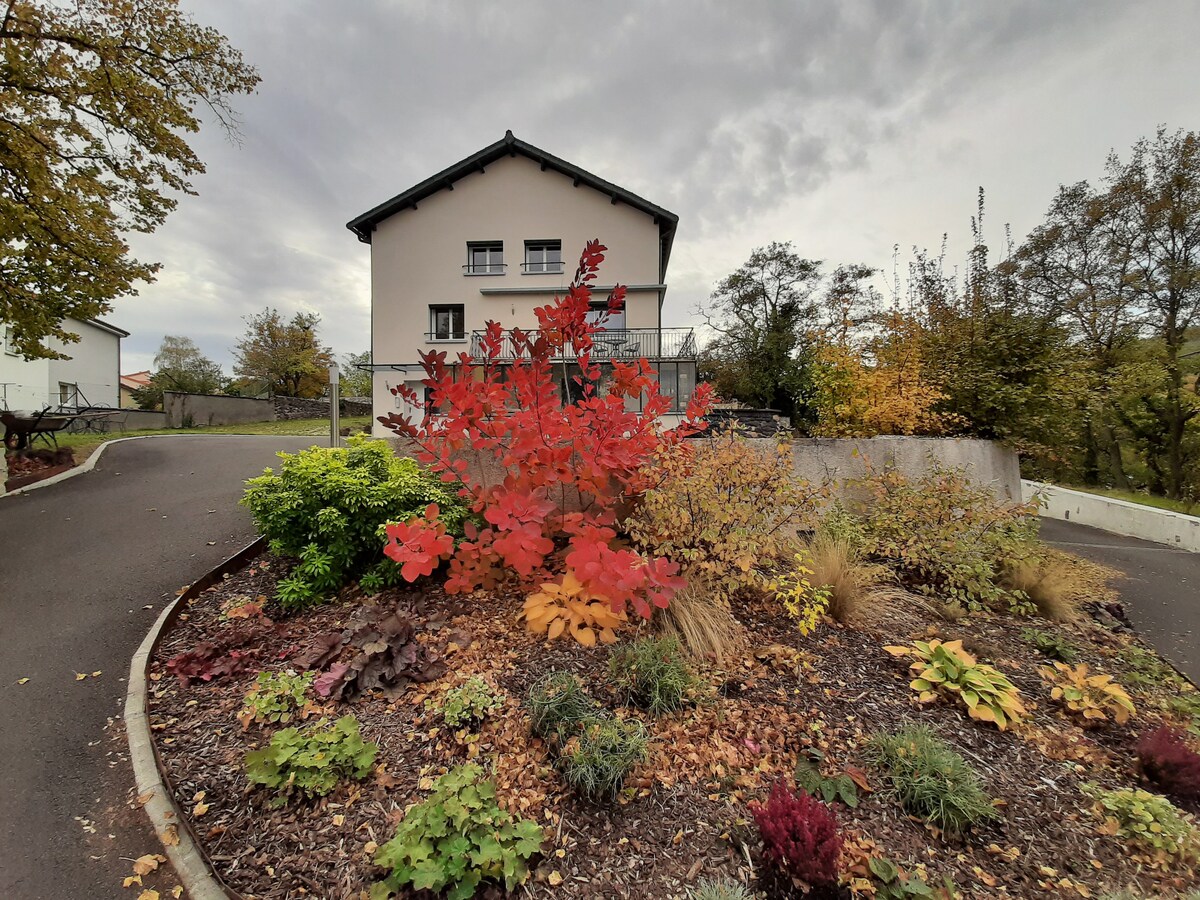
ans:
(567, 607)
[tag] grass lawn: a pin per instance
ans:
(84, 444)
(1179, 506)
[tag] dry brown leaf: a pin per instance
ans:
(144, 865)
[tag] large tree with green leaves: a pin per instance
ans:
(760, 315)
(96, 98)
(356, 382)
(286, 353)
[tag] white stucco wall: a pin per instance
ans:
(1118, 516)
(94, 367)
(417, 259)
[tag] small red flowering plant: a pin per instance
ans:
(563, 467)
(799, 834)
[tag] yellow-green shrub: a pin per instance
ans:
(723, 508)
(1091, 697)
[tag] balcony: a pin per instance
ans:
(618, 343)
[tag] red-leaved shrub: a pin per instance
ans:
(799, 834)
(1167, 761)
(567, 465)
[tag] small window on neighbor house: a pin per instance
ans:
(68, 394)
(447, 323)
(485, 258)
(10, 345)
(543, 256)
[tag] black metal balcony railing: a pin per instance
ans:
(620, 343)
(542, 268)
(495, 268)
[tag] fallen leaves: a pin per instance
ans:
(22, 681)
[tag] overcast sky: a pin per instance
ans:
(844, 127)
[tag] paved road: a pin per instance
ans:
(85, 567)
(1161, 592)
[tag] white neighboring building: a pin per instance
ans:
(498, 234)
(91, 377)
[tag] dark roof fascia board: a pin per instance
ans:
(509, 145)
(104, 326)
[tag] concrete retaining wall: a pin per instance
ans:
(183, 410)
(835, 461)
(142, 419)
(1118, 516)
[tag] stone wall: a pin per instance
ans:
(288, 408)
(1162, 526)
(755, 422)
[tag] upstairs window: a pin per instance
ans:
(447, 322)
(543, 256)
(10, 344)
(485, 258)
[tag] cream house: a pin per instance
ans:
(89, 376)
(497, 235)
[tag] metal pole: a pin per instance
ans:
(334, 404)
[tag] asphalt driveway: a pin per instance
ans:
(1161, 590)
(86, 566)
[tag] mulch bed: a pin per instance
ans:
(28, 467)
(683, 814)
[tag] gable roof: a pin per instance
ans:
(509, 145)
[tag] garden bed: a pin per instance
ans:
(683, 813)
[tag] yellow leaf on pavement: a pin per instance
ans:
(144, 865)
(22, 681)
(148, 895)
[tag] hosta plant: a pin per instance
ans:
(275, 697)
(311, 760)
(1093, 698)
(946, 668)
(567, 607)
(1149, 821)
(455, 839)
(468, 704)
(564, 467)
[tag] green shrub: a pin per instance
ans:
(723, 888)
(930, 780)
(468, 704)
(1148, 670)
(945, 536)
(596, 761)
(311, 760)
(456, 838)
(652, 673)
(892, 884)
(1050, 645)
(327, 508)
(558, 706)
(1147, 820)
(275, 697)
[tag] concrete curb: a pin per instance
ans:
(90, 463)
(190, 864)
(1147, 523)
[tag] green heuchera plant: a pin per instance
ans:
(328, 507)
(468, 704)
(1050, 645)
(275, 697)
(456, 838)
(311, 760)
(1146, 819)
